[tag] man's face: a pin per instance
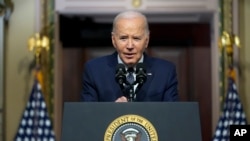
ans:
(130, 39)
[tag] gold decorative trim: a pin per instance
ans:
(42, 44)
(36, 44)
(227, 41)
(136, 3)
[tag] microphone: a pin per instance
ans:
(120, 74)
(141, 75)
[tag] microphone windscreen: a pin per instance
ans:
(140, 67)
(120, 67)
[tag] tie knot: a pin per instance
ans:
(130, 70)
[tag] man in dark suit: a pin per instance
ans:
(130, 38)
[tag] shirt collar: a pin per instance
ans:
(121, 62)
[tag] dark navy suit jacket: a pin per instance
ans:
(99, 82)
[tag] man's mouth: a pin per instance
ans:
(129, 55)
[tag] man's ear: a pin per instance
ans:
(148, 38)
(113, 39)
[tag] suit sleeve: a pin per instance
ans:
(171, 93)
(89, 92)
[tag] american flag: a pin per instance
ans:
(35, 124)
(232, 114)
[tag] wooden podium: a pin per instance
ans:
(134, 121)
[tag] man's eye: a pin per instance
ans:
(123, 38)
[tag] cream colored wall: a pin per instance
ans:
(17, 58)
(18, 80)
(244, 80)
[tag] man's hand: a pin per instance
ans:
(122, 99)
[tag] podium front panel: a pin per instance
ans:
(155, 121)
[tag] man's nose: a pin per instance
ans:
(130, 43)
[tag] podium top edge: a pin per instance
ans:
(137, 103)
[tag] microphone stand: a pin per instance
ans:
(138, 88)
(128, 90)
(131, 93)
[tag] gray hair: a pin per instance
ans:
(130, 14)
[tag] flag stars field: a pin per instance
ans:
(232, 114)
(35, 124)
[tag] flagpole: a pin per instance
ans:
(36, 123)
(35, 119)
(232, 112)
(228, 40)
(37, 44)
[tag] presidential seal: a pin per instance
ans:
(130, 128)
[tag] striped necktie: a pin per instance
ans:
(130, 76)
